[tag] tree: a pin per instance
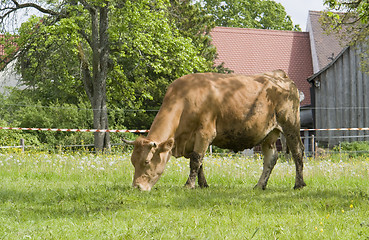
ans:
(149, 52)
(126, 65)
(349, 20)
(94, 71)
(264, 14)
(152, 49)
(178, 46)
(193, 21)
(49, 68)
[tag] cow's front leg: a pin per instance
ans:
(195, 166)
(204, 136)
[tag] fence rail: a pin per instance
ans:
(309, 140)
(146, 131)
(74, 130)
(21, 145)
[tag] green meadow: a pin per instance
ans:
(88, 196)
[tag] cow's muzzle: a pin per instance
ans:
(142, 187)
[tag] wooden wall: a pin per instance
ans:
(341, 98)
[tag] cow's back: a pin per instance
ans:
(244, 108)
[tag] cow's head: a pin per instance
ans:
(149, 159)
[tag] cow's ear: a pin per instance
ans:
(167, 145)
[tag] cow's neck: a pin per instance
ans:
(165, 124)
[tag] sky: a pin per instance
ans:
(298, 9)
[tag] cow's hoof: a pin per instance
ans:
(259, 187)
(203, 184)
(299, 186)
(189, 186)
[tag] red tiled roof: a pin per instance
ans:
(251, 51)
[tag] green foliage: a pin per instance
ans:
(354, 148)
(12, 137)
(47, 61)
(194, 22)
(149, 52)
(349, 20)
(265, 14)
(151, 44)
(18, 110)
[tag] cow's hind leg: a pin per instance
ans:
(269, 150)
(296, 147)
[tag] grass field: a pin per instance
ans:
(85, 196)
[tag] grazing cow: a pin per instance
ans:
(227, 110)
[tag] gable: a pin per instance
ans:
(324, 47)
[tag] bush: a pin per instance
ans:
(18, 110)
(13, 137)
(355, 148)
(57, 116)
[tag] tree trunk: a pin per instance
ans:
(95, 83)
(101, 139)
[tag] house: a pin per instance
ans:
(339, 89)
(8, 77)
(340, 98)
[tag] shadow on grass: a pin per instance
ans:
(76, 201)
(86, 201)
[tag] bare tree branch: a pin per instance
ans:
(85, 36)
(11, 9)
(33, 5)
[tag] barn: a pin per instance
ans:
(340, 98)
(339, 89)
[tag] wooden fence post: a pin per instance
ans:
(306, 141)
(22, 144)
(313, 150)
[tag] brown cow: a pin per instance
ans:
(227, 110)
